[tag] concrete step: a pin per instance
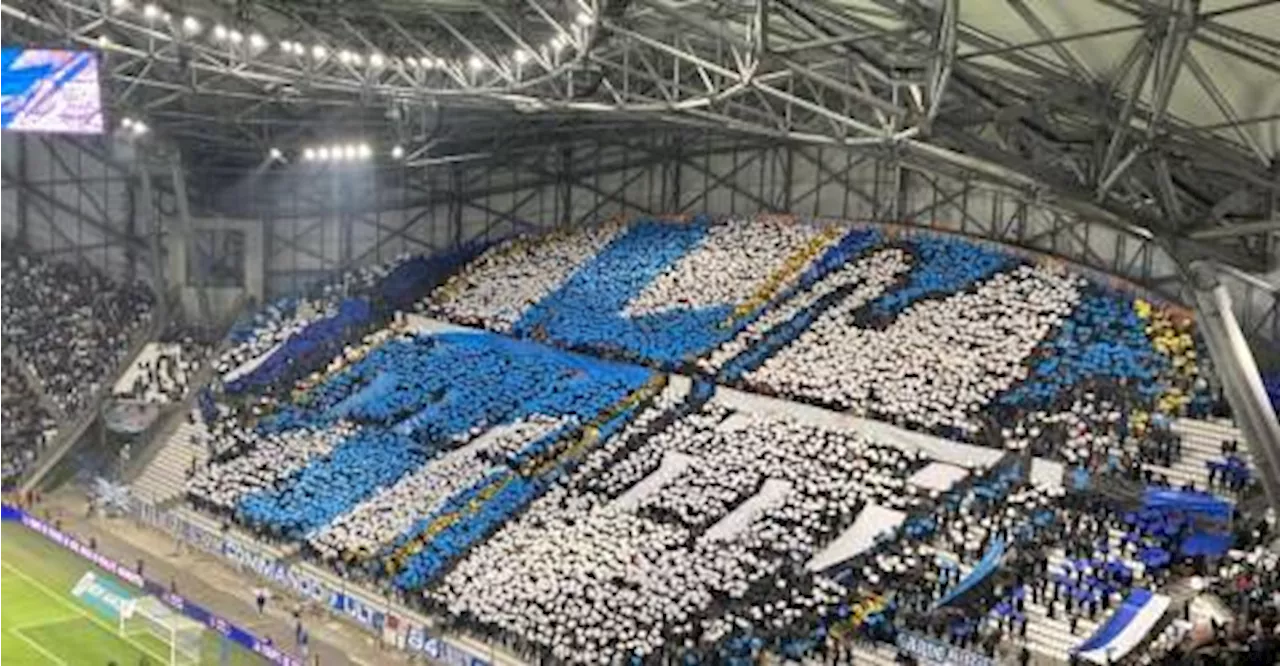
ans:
(165, 477)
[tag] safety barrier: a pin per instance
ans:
(397, 626)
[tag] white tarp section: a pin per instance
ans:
(938, 476)
(673, 464)
(944, 450)
(772, 492)
(861, 535)
(1047, 473)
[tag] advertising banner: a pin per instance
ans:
(105, 597)
(930, 651)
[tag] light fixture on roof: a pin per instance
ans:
(126, 122)
(584, 18)
(150, 11)
(322, 153)
(376, 59)
(309, 155)
(397, 152)
(350, 151)
(235, 37)
(365, 151)
(191, 26)
(276, 155)
(345, 56)
(119, 5)
(219, 32)
(521, 56)
(140, 128)
(558, 43)
(318, 51)
(476, 63)
(257, 42)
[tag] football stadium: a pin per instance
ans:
(640, 332)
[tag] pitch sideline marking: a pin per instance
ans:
(80, 611)
(16, 631)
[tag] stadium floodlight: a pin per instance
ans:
(275, 154)
(191, 26)
(219, 32)
(126, 122)
(521, 56)
(318, 51)
(345, 56)
(397, 152)
(150, 11)
(350, 151)
(366, 151)
(377, 60)
(476, 63)
(140, 128)
(309, 155)
(235, 37)
(257, 41)
(120, 5)
(558, 43)
(323, 154)
(584, 18)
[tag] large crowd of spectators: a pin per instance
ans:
(71, 327)
(587, 510)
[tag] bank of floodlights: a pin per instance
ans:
(338, 152)
(250, 43)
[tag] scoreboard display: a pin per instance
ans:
(52, 91)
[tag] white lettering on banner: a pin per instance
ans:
(940, 653)
(82, 550)
(363, 611)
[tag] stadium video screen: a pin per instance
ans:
(53, 91)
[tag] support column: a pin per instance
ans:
(1238, 372)
(158, 281)
(185, 240)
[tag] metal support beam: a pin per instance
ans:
(1237, 230)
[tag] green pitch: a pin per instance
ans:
(44, 625)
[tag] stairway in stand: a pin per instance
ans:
(1202, 442)
(164, 479)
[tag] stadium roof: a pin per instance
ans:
(1158, 115)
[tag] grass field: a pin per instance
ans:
(42, 624)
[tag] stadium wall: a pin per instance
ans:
(75, 199)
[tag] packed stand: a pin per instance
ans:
(27, 426)
(69, 327)
(932, 332)
(689, 538)
(587, 511)
(164, 370)
(72, 324)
